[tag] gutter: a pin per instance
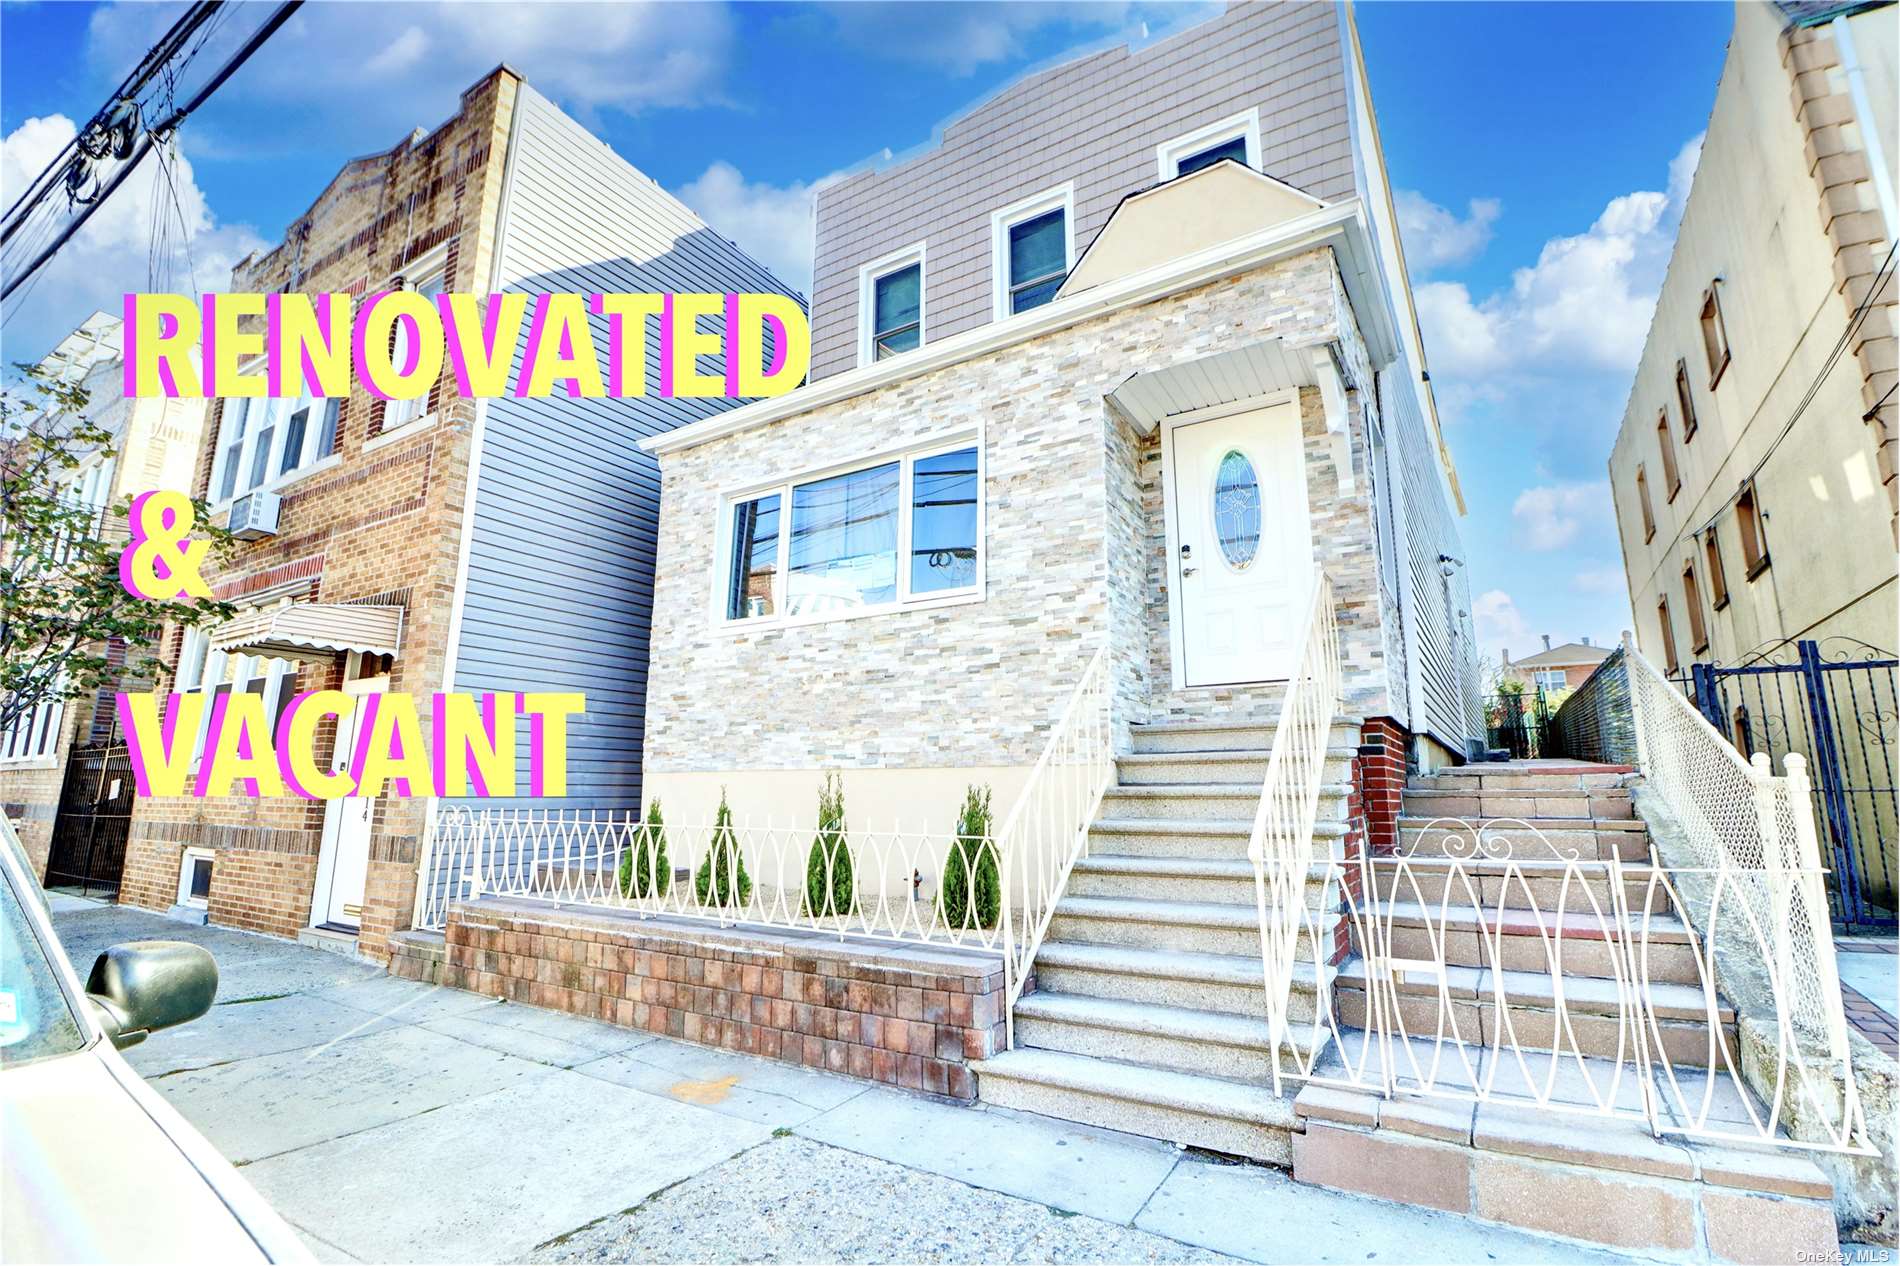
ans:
(1342, 226)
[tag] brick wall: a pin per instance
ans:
(1379, 777)
(909, 1016)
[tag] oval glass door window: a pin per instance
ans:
(1237, 510)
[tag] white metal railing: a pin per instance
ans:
(1281, 846)
(1048, 828)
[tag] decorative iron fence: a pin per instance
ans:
(1594, 722)
(1517, 721)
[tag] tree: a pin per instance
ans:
(721, 876)
(61, 600)
(972, 882)
(644, 868)
(829, 867)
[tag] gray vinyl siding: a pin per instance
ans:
(560, 576)
(1095, 121)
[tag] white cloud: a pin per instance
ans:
(961, 38)
(400, 53)
(1604, 580)
(1435, 237)
(1550, 517)
(1584, 305)
(1499, 622)
(771, 223)
(113, 253)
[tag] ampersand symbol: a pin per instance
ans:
(162, 562)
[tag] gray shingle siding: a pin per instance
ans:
(1095, 121)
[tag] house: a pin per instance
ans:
(62, 777)
(1753, 472)
(435, 544)
(1555, 667)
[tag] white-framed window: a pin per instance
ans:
(263, 442)
(194, 877)
(34, 735)
(402, 412)
(202, 670)
(1236, 137)
(891, 305)
(1032, 248)
(1549, 679)
(901, 529)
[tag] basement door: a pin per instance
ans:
(343, 863)
(1241, 545)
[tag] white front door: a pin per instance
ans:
(343, 865)
(1242, 545)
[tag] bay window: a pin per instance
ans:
(903, 530)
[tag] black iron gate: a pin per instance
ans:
(1833, 702)
(95, 814)
(1517, 721)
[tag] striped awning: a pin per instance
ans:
(312, 631)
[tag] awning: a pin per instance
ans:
(312, 631)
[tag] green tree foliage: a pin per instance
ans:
(61, 600)
(829, 867)
(972, 892)
(721, 879)
(644, 868)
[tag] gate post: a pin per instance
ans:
(1827, 779)
(1708, 700)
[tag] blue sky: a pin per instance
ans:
(1541, 152)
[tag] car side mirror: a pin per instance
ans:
(142, 986)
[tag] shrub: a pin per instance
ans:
(721, 879)
(828, 868)
(972, 891)
(644, 868)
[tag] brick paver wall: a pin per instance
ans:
(1381, 780)
(907, 1016)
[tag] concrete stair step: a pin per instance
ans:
(1527, 778)
(1205, 736)
(1213, 838)
(1576, 944)
(1241, 767)
(1197, 1111)
(1225, 880)
(1228, 983)
(1203, 801)
(1200, 927)
(1606, 802)
(1211, 1043)
(1530, 839)
(1541, 885)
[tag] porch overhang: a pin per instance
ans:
(313, 632)
(1259, 369)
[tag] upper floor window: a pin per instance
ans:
(263, 440)
(1714, 332)
(1550, 680)
(1685, 401)
(1672, 478)
(1692, 598)
(1748, 521)
(1668, 635)
(1237, 137)
(398, 412)
(1032, 249)
(905, 529)
(891, 305)
(1642, 499)
(1718, 578)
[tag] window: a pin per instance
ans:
(400, 412)
(907, 529)
(891, 305)
(1237, 137)
(34, 735)
(1032, 248)
(1672, 478)
(1714, 333)
(264, 441)
(1692, 596)
(1685, 401)
(1718, 579)
(194, 878)
(1642, 499)
(202, 670)
(1748, 521)
(1668, 635)
(1550, 680)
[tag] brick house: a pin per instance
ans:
(406, 545)
(1554, 668)
(154, 444)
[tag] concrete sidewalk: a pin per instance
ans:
(393, 1121)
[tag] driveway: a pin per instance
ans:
(394, 1121)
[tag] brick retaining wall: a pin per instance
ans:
(911, 1016)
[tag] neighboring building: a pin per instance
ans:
(1121, 363)
(153, 443)
(1555, 667)
(446, 544)
(1754, 471)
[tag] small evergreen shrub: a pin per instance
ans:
(721, 879)
(645, 869)
(972, 891)
(829, 867)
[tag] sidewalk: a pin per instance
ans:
(388, 1120)
(1870, 979)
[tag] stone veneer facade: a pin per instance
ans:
(1075, 558)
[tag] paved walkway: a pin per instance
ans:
(392, 1121)
(1870, 978)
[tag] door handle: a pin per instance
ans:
(1188, 571)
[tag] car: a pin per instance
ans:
(99, 1168)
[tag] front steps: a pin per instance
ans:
(1147, 1012)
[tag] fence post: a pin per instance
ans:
(1827, 772)
(1708, 700)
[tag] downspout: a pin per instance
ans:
(1864, 118)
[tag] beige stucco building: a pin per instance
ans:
(1754, 474)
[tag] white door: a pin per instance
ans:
(1243, 545)
(343, 865)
